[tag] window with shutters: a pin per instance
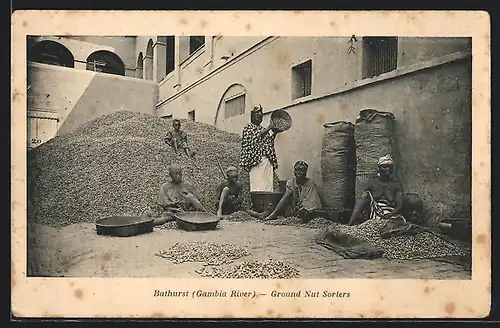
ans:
(195, 42)
(234, 106)
(302, 80)
(380, 55)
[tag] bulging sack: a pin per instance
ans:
(374, 138)
(338, 164)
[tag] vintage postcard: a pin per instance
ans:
(203, 164)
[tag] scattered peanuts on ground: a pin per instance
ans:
(423, 245)
(269, 269)
(316, 223)
(171, 225)
(240, 216)
(209, 253)
(115, 164)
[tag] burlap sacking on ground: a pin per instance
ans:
(338, 165)
(373, 136)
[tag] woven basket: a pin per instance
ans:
(338, 164)
(282, 119)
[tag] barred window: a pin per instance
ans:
(234, 106)
(195, 42)
(106, 62)
(302, 80)
(380, 55)
(96, 66)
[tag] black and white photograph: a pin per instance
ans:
(249, 157)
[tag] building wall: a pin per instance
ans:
(432, 131)
(429, 93)
(416, 50)
(82, 47)
(78, 96)
(265, 71)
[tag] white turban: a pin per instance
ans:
(386, 160)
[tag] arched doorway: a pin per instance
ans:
(51, 53)
(138, 69)
(105, 62)
(148, 69)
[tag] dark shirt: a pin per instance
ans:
(235, 192)
(254, 146)
(234, 200)
(180, 135)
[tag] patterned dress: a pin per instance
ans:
(254, 147)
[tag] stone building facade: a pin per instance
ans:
(425, 82)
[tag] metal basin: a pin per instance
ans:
(196, 221)
(262, 200)
(124, 226)
(458, 228)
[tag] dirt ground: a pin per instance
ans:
(77, 251)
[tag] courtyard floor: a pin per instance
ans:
(77, 251)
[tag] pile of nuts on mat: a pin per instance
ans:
(269, 269)
(209, 253)
(423, 245)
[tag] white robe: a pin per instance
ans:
(262, 176)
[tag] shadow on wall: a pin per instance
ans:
(103, 96)
(79, 96)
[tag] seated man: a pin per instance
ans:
(229, 196)
(229, 193)
(383, 196)
(178, 139)
(302, 195)
(177, 195)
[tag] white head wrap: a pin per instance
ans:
(386, 160)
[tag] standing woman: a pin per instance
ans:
(258, 155)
